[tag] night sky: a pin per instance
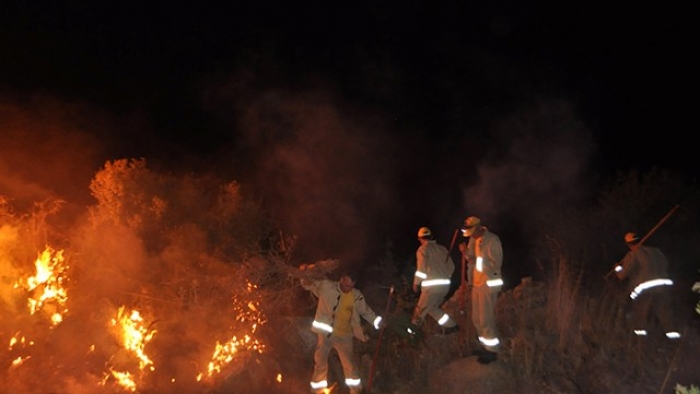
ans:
(368, 118)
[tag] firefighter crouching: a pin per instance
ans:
(650, 286)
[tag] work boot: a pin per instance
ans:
(450, 330)
(479, 352)
(487, 357)
(413, 328)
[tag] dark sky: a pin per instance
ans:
(417, 113)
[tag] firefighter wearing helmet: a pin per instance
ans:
(484, 256)
(645, 268)
(434, 268)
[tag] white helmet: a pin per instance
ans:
(424, 232)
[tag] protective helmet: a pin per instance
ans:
(424, 232)
(470, 224)
(631, 238)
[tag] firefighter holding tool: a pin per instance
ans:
(645, 268)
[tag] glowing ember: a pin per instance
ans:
(19, 361)
(19, 340)
(46, 286)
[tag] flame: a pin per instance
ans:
(47, 285)
(47, 296)
(226, 352)
(134, 337)
(125, 379)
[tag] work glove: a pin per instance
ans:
(463, 247)
(696, 287)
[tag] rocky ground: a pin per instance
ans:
(443, 363)
(673, 363)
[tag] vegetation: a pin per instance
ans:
(680, 389)
(204, 263)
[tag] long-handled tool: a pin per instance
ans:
(663, 219)
(463, 285)
(452, 244)
(464, 314)
(379, 341)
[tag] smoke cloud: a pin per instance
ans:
(542, 164)
(328, 173)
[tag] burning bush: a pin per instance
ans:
(155, 291)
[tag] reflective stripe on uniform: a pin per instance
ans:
(322, 326)
(319, 385)
(494, 282)
(435, 282)
(649, 284)
(489, 341)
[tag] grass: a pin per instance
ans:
(562, 332)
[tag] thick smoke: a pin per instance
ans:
(327, 172)
(540, 165)
(49, 149)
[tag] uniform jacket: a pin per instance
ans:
(328, 294)
(491, 252)
(433, 263)
(644, 266)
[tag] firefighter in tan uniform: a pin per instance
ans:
(484, 256)
(646, 267)
(434, 268)
(336, 323)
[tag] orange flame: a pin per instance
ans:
(47, 285)
(125, 379)
(134, 337)
(226, 352)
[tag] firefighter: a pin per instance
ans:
(484, 255)
(650, 287)
(336, 323)
(434, 268)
